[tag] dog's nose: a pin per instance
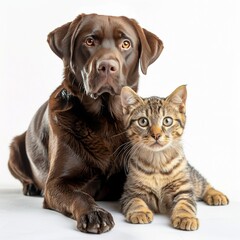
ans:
(107, 67)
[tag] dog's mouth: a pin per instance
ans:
(106, 89)
(103, 77)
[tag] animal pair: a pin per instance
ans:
(73, 150)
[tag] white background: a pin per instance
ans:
(201, 49)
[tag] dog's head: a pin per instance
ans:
(101, 54)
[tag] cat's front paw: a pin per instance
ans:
(215, 198)
(140, 217)
(186, 223)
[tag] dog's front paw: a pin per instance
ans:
(186, 223)
(95, 221)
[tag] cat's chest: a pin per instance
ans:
(154, 183)
(149, 182)
(156, 175)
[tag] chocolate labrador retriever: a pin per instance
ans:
(73, 150)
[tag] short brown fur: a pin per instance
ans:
(71, 152)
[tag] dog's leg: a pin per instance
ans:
(71, 188)
(71, 201)
(19, 166)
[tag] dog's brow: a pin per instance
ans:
(120, 34)
(95, 33)
(124, 31)
(123, 35)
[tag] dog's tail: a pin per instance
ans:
(19, 166)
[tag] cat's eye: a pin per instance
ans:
(143, 122)
(167, 121)
(126, 44)
(90, 42)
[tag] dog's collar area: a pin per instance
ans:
(94, 95)
(65, 94)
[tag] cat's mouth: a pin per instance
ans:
(158, 146)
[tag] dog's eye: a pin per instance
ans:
(89, 42)
(126, 44)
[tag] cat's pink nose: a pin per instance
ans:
(156, 136)
(155, 132)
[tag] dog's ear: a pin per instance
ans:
(62, 39)
(151, 46)
(55, 39)
(151, 52)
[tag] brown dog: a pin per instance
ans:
(73, 150)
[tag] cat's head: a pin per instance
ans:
(154, 123)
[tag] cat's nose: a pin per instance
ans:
(156, 132)
(156, 136)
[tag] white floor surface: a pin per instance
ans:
(23, 217)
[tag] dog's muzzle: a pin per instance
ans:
(106, 79)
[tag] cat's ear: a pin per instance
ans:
(179, 97)
(129, 97)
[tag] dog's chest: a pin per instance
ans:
(102, 139)
(95, 139)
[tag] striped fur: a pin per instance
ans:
(160, 179)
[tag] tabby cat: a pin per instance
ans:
(160, 179)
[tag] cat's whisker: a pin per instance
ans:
(129, 151)
(121, 146)
(127, 160)
(124, 148)
(116, 135)
(133, 151)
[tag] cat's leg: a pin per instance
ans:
(204, 191)
(214, 197)
(136, 211)
(183, 213)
